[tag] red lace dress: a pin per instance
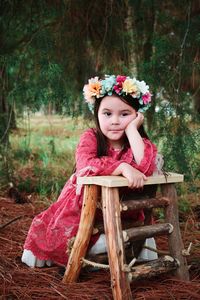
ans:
(52, 229)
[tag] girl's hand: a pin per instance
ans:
(136, 122)
(135, 178)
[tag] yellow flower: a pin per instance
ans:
(129, 86)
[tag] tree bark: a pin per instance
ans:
(4, 114)
(147, 203)
(153, 268)
(143, 232)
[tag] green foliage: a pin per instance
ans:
(42, 174)
(48, 183)
(22, 154)
(181, 152)
(184, 206)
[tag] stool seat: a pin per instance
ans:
(108, 189)
(120, 181)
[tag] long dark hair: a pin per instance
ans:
(102, 144)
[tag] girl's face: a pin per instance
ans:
(114, 115)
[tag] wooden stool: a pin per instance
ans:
(121, 273)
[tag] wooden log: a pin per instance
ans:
(146, 203)
(140, 233)
(152, 268)
(115, 246)
(83, 235)
(175, 240)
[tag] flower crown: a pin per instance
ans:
(120, 85)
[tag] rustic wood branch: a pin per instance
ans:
(160, 252)
(147, 203)
(159, 266)
(81, 242)
(116, 252)
(175, 241)
(140, 233)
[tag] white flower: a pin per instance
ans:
(142, 86)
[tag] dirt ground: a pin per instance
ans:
(20, 282)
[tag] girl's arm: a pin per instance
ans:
(135, 140)
(135, 178)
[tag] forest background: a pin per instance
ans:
(48, 51)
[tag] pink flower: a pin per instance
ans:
(118, 87)
(146, 98)
(120, 78)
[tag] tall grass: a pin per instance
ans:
(42, 153)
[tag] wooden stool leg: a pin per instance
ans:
(84, 233)
(115, 245)
(175, 240)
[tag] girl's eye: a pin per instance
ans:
(107, 114)
(124, 114)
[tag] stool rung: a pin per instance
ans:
(127, 223)
(145, 203)
(139, 233)
(152, 268)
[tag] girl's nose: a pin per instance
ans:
(115, 120)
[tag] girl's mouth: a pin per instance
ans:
(116, 131)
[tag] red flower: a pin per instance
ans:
(118, 87)
(146, 98)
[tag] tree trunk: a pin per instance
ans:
(4, 114)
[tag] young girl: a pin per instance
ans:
(118, 146)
